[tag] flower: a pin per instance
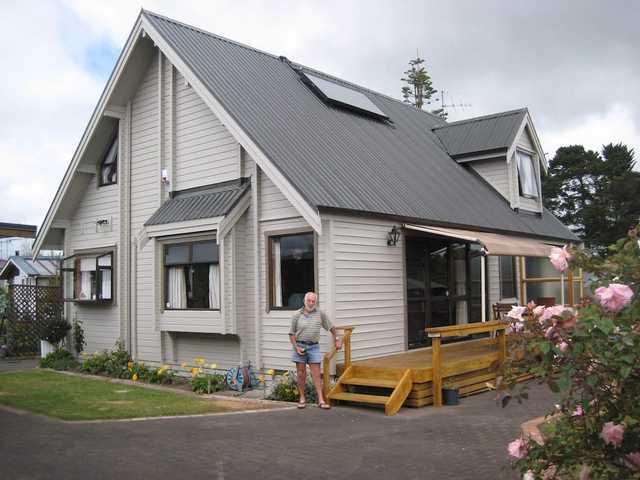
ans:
(195, 371)
(578, 412)
(270, 371)
(199, 361)
(528, 476)
(516, 312)
(614, 297)
(183, 365)
(560, 258)
(563, 346)
(214, 366)
(632, 460)
(135, 377)
(286, 374)
(612, 433)
(585, 472)
(518, 448)
(261, 378)
(129, 364)
(537, 311)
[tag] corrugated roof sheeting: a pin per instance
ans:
(340, 159)
(42, 267)
(481, 134)
(197, 205)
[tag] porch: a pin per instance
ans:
(415, 378)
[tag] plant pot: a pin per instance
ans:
(451, 396)
(46, 348)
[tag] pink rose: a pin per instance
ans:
(560, 258)
(614, 297)
(539, 310)
(632, 460)
(516, 312)
(563, 346)
(518, 448)
(612, 433)
(528, 476)
(578, 412)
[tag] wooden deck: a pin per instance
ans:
(464, 364)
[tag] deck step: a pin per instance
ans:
(370, 382)
(360, 398)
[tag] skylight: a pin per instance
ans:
(342, 96)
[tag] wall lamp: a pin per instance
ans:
(393, 236)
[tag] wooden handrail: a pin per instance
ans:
(326, 360)
(437, 333)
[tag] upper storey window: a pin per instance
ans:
(527, 178)
(109, 165)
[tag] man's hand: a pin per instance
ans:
(299, 350)
(338, 343)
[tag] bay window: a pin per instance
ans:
(192, 276)
(291, 270)
(88, 277)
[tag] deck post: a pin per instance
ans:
(347, 347)
(436, 381)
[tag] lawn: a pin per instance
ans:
(76, 398)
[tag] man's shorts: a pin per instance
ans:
(313, 354)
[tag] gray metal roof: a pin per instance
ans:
(42, 267)
(194, 204)
(481, 134)
(339, 159)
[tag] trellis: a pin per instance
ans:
(31, 307)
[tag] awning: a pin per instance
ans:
(494, 243)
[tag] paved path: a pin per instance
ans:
(13, 364)
(463, 442)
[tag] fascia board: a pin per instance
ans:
(88, 134)
(232, 217)
(190, 226)
(9, 262)
(309, 213)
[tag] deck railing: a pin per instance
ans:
(326, 361)
(437, 333)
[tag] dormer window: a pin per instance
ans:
(527, 178)
(109, 165)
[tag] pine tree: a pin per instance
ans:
(419, 88)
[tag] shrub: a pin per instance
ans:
(77, 333)
(208, 383)
(592, 357)
(163, 376)
(60, 359)
(113, 364)
(55, 330)
(285, 389)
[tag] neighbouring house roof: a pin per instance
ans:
(490, 133)
(341, 160)
(17, 230)
(42, 267)
(202, 202)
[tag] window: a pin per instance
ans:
(291, 270)
(507, 277)
(527, 178)
(192, 276)
(109, 164)
(88, 278)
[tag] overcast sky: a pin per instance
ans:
(574, 64)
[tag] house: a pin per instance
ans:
(23, 270)
(215, 184)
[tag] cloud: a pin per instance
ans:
(572, 63)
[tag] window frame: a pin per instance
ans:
(514, 277)
(165, 281)
(269, 236)
(534, 160)
(115, 139)
(77, 257)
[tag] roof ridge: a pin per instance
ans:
(483, 117)
(292, 63)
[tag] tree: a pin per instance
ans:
(595, 195)
(419, 88)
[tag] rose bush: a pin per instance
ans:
(591, 355)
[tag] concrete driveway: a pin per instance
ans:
(463, 442)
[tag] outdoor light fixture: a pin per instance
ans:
(393, 236)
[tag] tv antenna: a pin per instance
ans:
(444, 105)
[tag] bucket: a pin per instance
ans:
(450, 396)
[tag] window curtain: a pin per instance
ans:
(527, 175)
(176, 288)
(277, 273)
(87, 265)
(214, 286)
(105, 286)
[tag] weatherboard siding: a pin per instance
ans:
(367, 280)
(223, 350)
(205, 151)
(495, 173)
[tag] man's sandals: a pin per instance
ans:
(324, 406)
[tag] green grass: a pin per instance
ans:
(75, 398)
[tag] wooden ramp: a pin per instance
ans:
(415, 378)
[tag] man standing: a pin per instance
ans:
(304, 335)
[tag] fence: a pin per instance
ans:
(30, 308)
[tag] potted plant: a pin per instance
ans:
(53, 333)
(450, 393)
